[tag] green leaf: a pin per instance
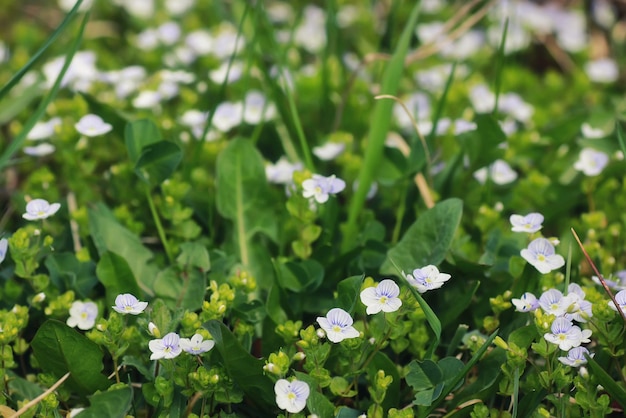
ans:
(617, 392)
(348, 291)
(459, 300)
(317, 403)
(431, 317)
(112, 404)
(139, 134)
(181, 288)
(482, 144)
(194, 254)
(60, 349)
(66, 273)
(110, 236)
(12, 108)
(244, 369)
(299, 276)
(621, 138)
(426, 241)
(423, 375)
(243, 195)
(158, 161)
(116, 277)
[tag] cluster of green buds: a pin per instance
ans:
(303, 215)
(26, 246)
(220, 300)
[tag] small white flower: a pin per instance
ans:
(329, 151)
(233, 71)
(168, 347)
(169, 33)
(527, 303)
(82, 315)
(575, 357)
(257, 109)
(383, 297)
(338, 325)
(196, 344)
(320, 187)
(4, 245)
(227, 116)
(40, 209)
(620, 297)
(43, 130)
(591, 162)
(129, 304)
(541, 255)
(154, 330)
(500, 173)
(427, 278)
(40, 150)
(147, 99)
(282, 171)
(529, 223)
(603, 70)
(92, 125)
(567, 335)
(291, 396)
(462, 125)
(554, 303)
(589, 131)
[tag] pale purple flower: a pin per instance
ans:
(575, 357)
(526, 303)
(618, 284)
(291, 396)
(40, 150)
(591, 162)
(40, 209)
(282, 171)
(329, 151)
(602, 70)
(620, 298)
(338, 325)
(92, 125)
(43, 130)
(168, 347)
(196, 344)
(566, 335)
(82, 315)
(580, 309)
(541, 255)
(383, 297)
(529, 223)
(500, 173)
(554, 303)
(426, 278)
(129, 304)
(4, 245)
(589, 131)
(320, 187)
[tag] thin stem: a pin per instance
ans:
(159, 226)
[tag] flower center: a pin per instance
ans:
(541, 257)
(336, 328)
(383, 299)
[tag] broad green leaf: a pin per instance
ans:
(423, 375)
(139, 134)
(317, 403)
(66, 272)
(242, 195)
(299, 276)
(251, 312)
(158, 161)
(244, 369)
(60, 349)
(616, 391)
(112, 404)
(116, 277)
(194, 254)
(345, 412)
(524, 336)
(109, 235)
(426, 241)
(348, 291)
(181, 288)
(21, 388)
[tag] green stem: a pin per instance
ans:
(159, 226)
(399, 216)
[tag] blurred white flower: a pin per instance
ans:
(500, 173)
(311, 33)
(282, 171)
(257, 109)
(179, 7)
(590, 132)
(43, 130)
(92, 125)
(227, 115)
(169, 32)
(39, 150)
(40, 209)
(603, 70)
(147, 99)
(329, 151)
(4, 246)
(234, 73)
(319, 187)
(200, 42)
(591, 162)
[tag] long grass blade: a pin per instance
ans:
(18, 75)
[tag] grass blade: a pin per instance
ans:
(18, 76)
(18, 141)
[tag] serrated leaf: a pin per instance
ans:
(244, 369)
(116, 277)
(426, 241)
(112, 404)
(158, 161)
(60, 349)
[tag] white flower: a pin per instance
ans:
(329, 151)
(589, 131)
(200, 42)
(320, 187)
(383, 297)
(620, 297)
(591, 162)
(128, 304)
(575, 357)
(513, 105)
(554, 303)
(227, 116)
(147, 99)
(282, 171)
(234, 72)
(540, 254)
(257, 109)
(169, 32)
(82, 315)
(40, 209)
(427, 278)
(168, 347)
(528, 302)
(291, 396)
(566, 335)
(338, 325)
(196, 344)
(92, 125)
(462, 125)
(483, 100)
(40, 150)
(43, 130)
(603, 70)
(4, 245)
(500, 173)
(154, 330)
(529, 223)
